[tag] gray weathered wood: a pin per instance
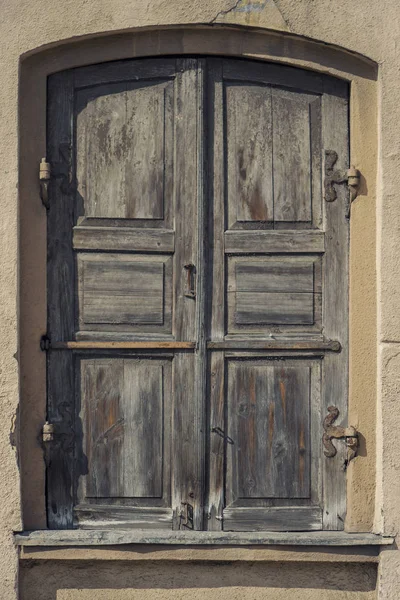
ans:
(268, 408)
(123, 517)
(188, 414)
(216, 294)
(123, 239)
(113, 72)
(124, 149)
(126, 424)
(292, 345)
(121, 291)
(298, 518)
(262, 242)
(335, 391)
(292, 164)
(104, 537)
(145, 345)
(249, 153)
(60, 472)
(275, 74)
(233, 189)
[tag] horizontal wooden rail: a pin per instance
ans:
(276, 344)
(122, 345)
(244, 345)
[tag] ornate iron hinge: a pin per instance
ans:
(335, 177)
(349, 434)
(58, 170)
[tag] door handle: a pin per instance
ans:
(190, 280)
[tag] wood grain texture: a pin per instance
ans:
(125, 292)
(335, 137)
(249, 153)
(123, 419)
(104, 345)
(123, 239)
(60, 471)
(124, 149)
(188, 374)
(123, 517)
(292, 164)
(305, 518)
(103, 537)
(216, 164)
(261, 242)
(268, 411)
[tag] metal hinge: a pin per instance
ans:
(57, 437)
(58, 170)
(335, 177)
(44, 343)
(349, 434)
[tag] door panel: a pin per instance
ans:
(273, 144)
(268, 414)
(124, 150)
(132, 204)
(274, 243)
(187, 209)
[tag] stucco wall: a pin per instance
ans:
(39, 37)
(154, 581)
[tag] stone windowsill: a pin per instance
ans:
(115, 537)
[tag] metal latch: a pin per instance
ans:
(187, 515)
(349, 434)
(335, 177)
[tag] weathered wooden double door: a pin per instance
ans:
(197, 296)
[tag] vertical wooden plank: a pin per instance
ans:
(335, 137)
(121, 149)
(144, 175)
(291, 157)
(143, 440)
(216, 292)
(269, 425)
(104, 427)
(249, 152)
(189, 370)
(60, 301)
(316, 163)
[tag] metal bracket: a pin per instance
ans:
(58, 170)
(349, 434)
(335, 177)
(187, 515)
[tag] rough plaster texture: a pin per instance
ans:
(151, 581)
(362, 26)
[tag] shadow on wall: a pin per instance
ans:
(123, 580)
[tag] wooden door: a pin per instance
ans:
(279, 297)
(197, 296)
(124, 245)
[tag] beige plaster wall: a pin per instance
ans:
(180, 581)
(362, 26)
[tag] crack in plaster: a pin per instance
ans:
(221, 13)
